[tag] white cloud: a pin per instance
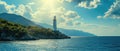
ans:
(71, 18)
(24, 10)
(99, 17)
(90, 4)
(20, 10)
(71, 14)
(68, 0)
(43, 15)
(6, 7)
(31, 3)
(62, 1)
(28, 13)
(114, 11)
(77, 23)
(66, 17)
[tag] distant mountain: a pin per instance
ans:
(69, 32)
(75, 32)
(17, 19)
(21, 20)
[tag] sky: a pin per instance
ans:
(100, 17)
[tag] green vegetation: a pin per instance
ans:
(12, 31)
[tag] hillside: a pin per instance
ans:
(21, 20)
(17, 19)
(12, 31)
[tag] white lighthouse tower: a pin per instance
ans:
(55, 24)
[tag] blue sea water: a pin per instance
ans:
(74, 44)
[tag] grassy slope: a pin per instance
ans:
(12, 31)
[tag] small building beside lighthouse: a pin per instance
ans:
(55, 24)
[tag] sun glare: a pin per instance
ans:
(49, 3)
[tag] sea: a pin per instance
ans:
(76, 43)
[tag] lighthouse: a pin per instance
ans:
(55, 24)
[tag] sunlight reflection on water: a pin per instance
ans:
(74, 44)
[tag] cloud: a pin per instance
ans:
(28, 13)
(114, 11)
(99, 17)
(24, 10)
(68, 0)
(4, 7)
(77, 23)
(68, 17)
(31, 3)
(90, 4)
(64, 16)
(71, 14)
(43, 15)
(71, 17)
(62, 1)
(20, 10)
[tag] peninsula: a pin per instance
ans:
(10, 31)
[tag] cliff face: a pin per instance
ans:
(12, 31)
